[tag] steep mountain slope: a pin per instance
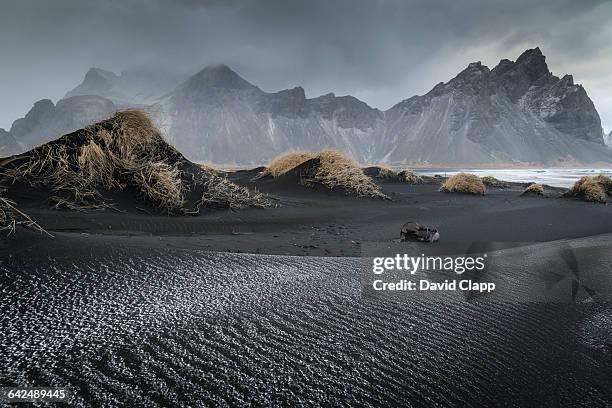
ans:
(46, 121)
(517, 112)
(8, 144)
(608, 139)
(218, 116)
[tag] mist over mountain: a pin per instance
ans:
(517, 112)
(131, 87)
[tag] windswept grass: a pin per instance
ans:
(330, 168)
(219, 192)
(534, 189)
(11, 216)
(491, 181)
(287, 161)
(385, 172)
(591, 188)
(410, 177)
(125, 150)
(464, 183)
(336, 170)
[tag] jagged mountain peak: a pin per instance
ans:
(94, 74)
(218, 76)
(533, 64)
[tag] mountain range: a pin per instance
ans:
(516, 113)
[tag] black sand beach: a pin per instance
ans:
(130, 307)
(319, 222)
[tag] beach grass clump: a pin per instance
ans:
(385, 172)
(336, 170)
(534, 189)
(161, 184)
(466, 183)
(605, 182)
(491, 181)
(591, 188)
(410, 177)
(220, 192)
(287, 161)
(11, 216)
(330, 168)
(125, 150)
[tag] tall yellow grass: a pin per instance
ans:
(123, 150)
(287, 161)
(464, 183)
(591, 188)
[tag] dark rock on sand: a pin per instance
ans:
(412, 231)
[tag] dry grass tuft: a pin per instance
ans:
(385, 172)
(11, 216)
(410, 177)
(491, 181)
(464, 183)
(126, 149)
(591, 188)
(161, 184)
(336, 170)
(605, 182)
(287, 161)
(534, 189)
(97, 166)
(219, 192)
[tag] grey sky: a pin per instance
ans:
(379, 51)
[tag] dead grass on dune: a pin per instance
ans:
(336, 170)
(385, 172)
(491, 181)
(11, 216)
(219, 192)
(534, 189)
(591, 188)
(464, 183)
(410, 177)
(126, 149)
(287, 161)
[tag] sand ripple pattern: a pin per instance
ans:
(159, 327)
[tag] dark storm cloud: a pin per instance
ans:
(380, 51)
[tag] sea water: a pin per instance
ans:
(556, 177)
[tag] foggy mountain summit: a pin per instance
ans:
(517, 112)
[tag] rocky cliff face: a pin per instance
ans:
(516, 112)
(608, 139)
(46, 121)
(218, 116)
(8, 144)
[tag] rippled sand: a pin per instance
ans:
(140, 327)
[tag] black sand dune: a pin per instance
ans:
(321, 222)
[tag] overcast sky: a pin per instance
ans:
(379, 51)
